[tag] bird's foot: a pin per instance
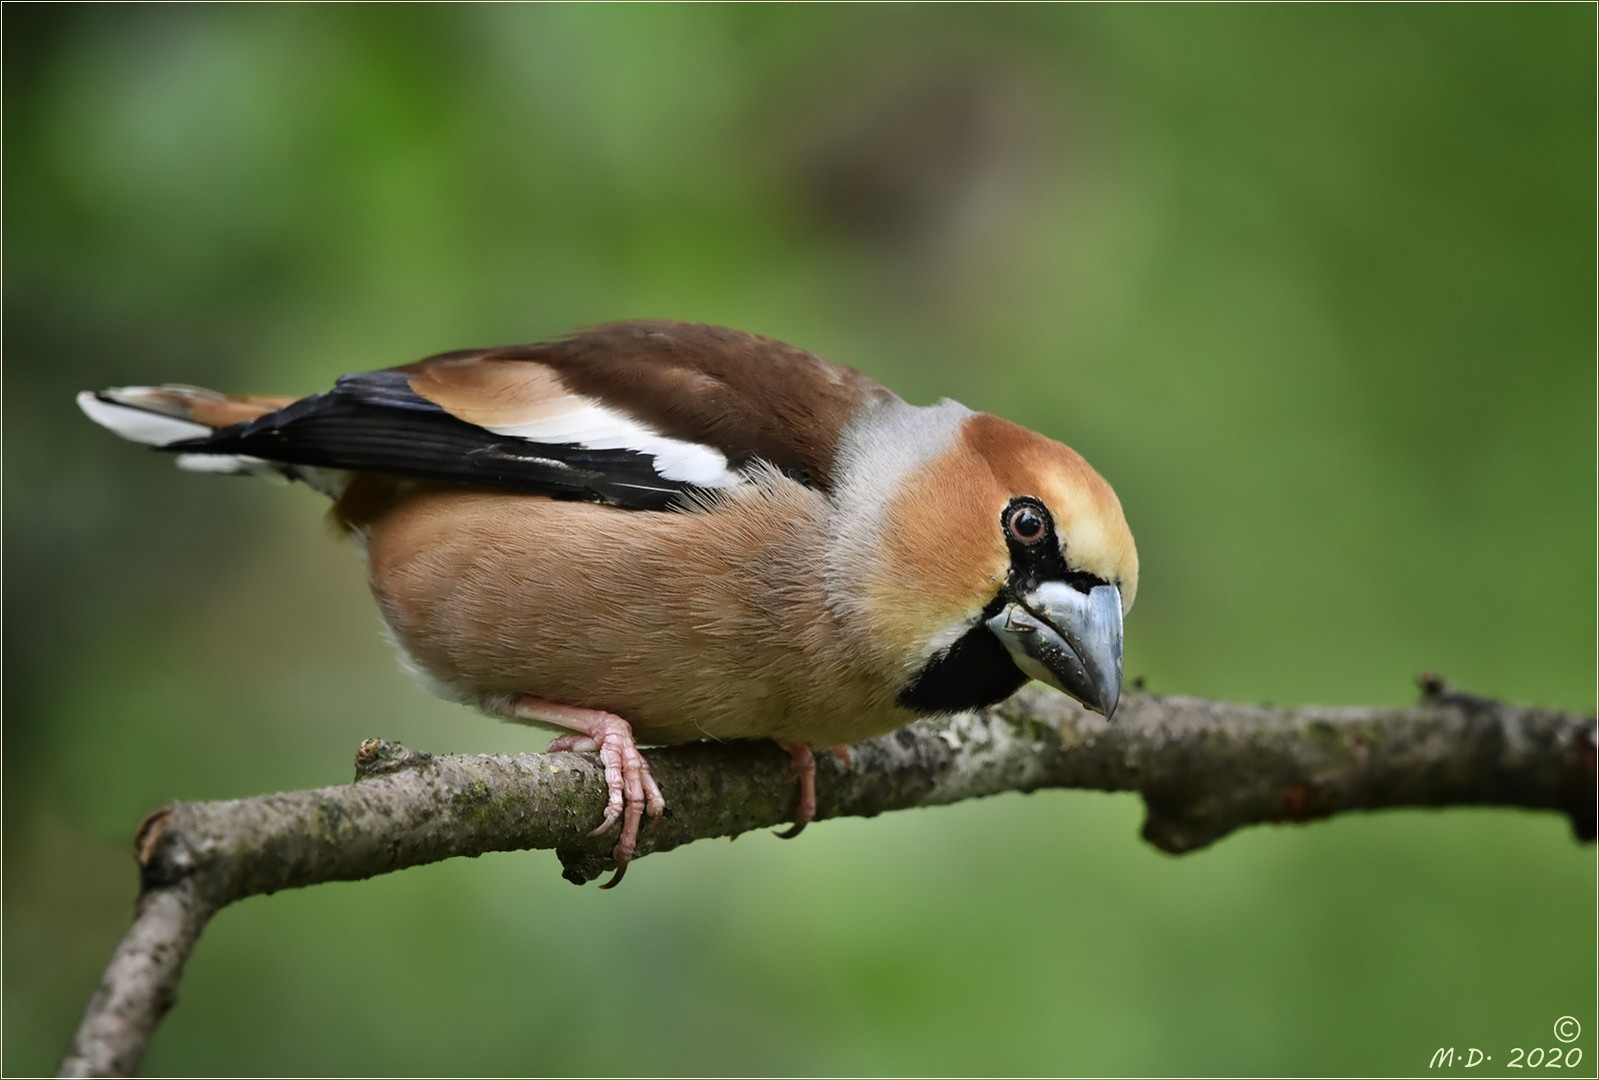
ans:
(631, 790)
(804, 764)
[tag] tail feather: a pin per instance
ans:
(141, 414)
(163, 416)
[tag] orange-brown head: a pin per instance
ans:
(988, 554)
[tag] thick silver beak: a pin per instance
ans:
(1068, 639)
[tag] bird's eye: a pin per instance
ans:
(1026, 524)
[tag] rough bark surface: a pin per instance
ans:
(1204, 769)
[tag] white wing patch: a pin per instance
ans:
(594, 427)
(139, 425)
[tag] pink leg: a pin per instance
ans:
(805, 769)
(632, 790)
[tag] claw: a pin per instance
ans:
(804, 764)
(630, 789)
(607, 823)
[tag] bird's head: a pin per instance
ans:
(1000, 557)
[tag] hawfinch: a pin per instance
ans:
(659, 532)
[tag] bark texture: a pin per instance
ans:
(1204, 769)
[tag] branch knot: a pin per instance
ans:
(380, 757)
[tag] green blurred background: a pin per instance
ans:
(1313, 286)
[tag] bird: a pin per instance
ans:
(655, 532)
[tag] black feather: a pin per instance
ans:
(374, 422)
(974, 672)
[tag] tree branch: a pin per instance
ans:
(1204, 769)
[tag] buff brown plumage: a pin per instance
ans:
(662, 532)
